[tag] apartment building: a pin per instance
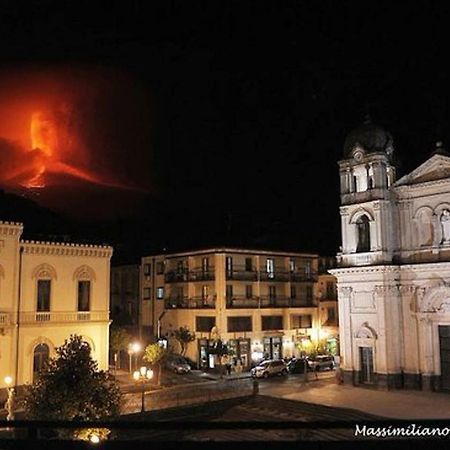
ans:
(328, 306)
(261, 303)
(48, 291)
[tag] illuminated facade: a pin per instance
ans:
(49, 291)
(328, 306)
(261, 303)
(394, 266)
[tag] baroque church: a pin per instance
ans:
(393, 272)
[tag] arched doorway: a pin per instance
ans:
(40, 357)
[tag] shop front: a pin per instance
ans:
(273, 347)
(240, 349)
(206, 355)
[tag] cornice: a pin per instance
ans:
(66, 249)
(10, 228)
(364, 269)
(424, 184)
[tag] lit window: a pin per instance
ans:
(160, 293)
(147, 269)
(229, 264)
(270, 267)
(292, 265)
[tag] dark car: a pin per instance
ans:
(297, 365)
(177, 364)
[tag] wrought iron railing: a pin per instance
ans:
(184, 276)
(191, 302)
(266, 301)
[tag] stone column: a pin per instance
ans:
(410, 362)
(425, 351)
(345, 334)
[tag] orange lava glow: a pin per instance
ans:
(49, 135)
(47, 146)
(43, 133)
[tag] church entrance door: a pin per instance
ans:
(444, 347)
(366, 358)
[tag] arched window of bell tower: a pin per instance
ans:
(363, 234)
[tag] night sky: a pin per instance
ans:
(222, 122)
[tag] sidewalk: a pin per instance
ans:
(400, 404)
(216, 376)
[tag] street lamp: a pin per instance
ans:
(9, 405)
(133, 349)
(141, 376)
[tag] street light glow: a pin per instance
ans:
(8, 380)
(136, 347)
(94, 439)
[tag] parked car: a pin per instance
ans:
(269, 368)
(321, 362)
(177, 364)
(297, 365)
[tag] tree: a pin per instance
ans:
(119, 339)
(184, 336)
(155, 355)
(70, 387)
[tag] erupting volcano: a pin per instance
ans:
(66, 136)
(46, 150)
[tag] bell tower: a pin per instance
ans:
(367, 213)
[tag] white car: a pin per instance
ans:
(321, 362)
(269, 368)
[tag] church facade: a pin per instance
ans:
(393, 274)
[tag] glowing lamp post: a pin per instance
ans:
(142, 376)
(9, 405)
(133, 349)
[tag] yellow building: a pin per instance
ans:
(49, 291)
(261, 303)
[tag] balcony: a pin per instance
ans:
(278, 275)
(300, 276)
(5, 319)
(201, 274)
(285, 276)
(242, 302)
(266, 301)
(191, 302)
(190, 275)
(176, 277)
(239, 273)
(63, 317)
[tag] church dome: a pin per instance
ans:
(371, 138)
